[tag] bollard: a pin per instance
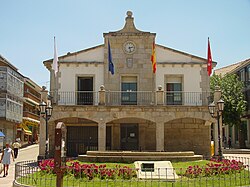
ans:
(60, 137)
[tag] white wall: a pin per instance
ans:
(90, 55)
(168, 55)
(191, 76)
(69, 74)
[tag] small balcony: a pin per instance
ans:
(32, 97)
(11, 110)
(31, 115)
(139, 98)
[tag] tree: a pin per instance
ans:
(235, 104)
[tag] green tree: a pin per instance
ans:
(235, 104)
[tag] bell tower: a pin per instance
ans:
(131, 51)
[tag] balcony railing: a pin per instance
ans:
(76, 98)
(140, 98)
(32, 96)
(186, 98)
(32, 115)
(116, 98)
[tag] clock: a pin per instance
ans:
(129, 47)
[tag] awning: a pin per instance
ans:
(26, 130)
(30, 122)
(2, 134)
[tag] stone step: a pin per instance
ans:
(133, 158)
(236, 151)
(137, 153)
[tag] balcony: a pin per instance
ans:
(31, 115)
(11, 110)
(139, 98)
(32, 97)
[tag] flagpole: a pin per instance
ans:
(54, 85)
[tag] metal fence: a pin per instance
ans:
(29, 174)
(140, 98)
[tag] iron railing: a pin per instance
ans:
(76, 98)
(140, 98)
(117, 98)
(29, 174)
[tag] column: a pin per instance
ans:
(217, 96)
(115, 137)
(215, 135)
(248, 132)
(159, 96)
(42, 141)
(160, 136)
(101, 136)
(102, 95)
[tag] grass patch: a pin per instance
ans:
(239, 178)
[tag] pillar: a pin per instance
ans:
(115, 136)
(101, 136)
(42, 141)
(160, 136)
(248, 132)
(217, 97)
(159, 96)
(102, 95)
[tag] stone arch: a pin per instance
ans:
(187, 134)
(78, 140)
(194, 115)
(130, 120)
(144, 130)
(75, 120)
(64, 116)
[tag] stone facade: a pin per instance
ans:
(150, 122)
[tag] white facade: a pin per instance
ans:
(130, 106)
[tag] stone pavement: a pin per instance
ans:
(27, 153)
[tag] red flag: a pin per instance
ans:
(153, 58)
(209, 59)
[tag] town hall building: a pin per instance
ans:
(132, 108)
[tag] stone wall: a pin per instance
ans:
(187, 134)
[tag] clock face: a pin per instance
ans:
(129, 47)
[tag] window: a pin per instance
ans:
(174, 90)
(248, 76)
(129, 90)
(85, 91)
(242, 75)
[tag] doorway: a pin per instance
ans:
(129, 137)
(85, 91)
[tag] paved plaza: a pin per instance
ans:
(27, 153)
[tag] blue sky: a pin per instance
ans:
(27, 28)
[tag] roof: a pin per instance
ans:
(4, 60)
(31, 83)
(183, 53)
(241, 65)
(231, 68)
(74, 53)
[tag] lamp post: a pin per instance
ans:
(46, 112)
(217, 113)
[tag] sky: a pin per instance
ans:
(27, 28)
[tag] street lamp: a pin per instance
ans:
(216, 113)
(46, 112)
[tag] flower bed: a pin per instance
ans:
(89, 171)
(215, 167)
(197, 173)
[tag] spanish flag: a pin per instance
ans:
(153, 58)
